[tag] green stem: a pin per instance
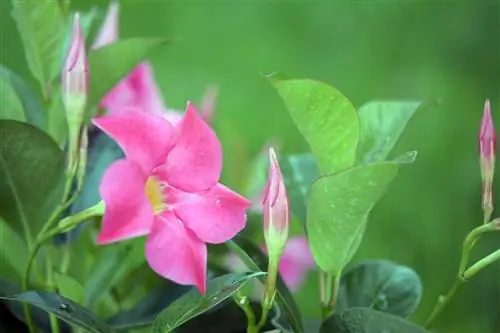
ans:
(481, 264)
(244, 304)
(270, 291)
(331, 286)
(54, 323)
(443, 300)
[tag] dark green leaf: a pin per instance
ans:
(13, 253)
(41, 25)
(287, 311)
(381, 285)
(382, 122)
(326, 119)
(31, 176)
(192, 304)
(111, 63)
(337, 211)
(32, 109)
(116, 262)
(65, 309)
(364, 320)
(299, 171)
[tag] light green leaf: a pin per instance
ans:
(30, 105)
(69, 287)
(192, 304)
(299, 172)
(364, 320)
(41, 24)
(10, 104)
(31, 176)
(337, 210)
(326, 119)
(111, 63)
(381, 285)
(382, 123)
(13, 254)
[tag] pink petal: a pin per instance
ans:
(298, 250)
(128, 212)
(147, 94)
(195, 162)
(109, 30)
(215, 216)
(145, 138)
(175, 253)
(174, 117)
(293, 273)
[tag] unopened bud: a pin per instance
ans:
(487, 155)
(276, 209)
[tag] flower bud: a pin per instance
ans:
(276, 209)
(487, 155)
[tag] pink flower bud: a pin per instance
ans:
(487, 156)
(276, 209)
(75, 77)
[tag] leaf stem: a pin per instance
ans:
(330, 287)
(244, 304)
(54, 323)
(481, 264)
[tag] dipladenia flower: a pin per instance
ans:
(139, 90)
(487, 157)
(168, 189)
(276, 209)
(74, 88)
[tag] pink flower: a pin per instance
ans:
(168, 189)
(295, 262)
(139, 90)
(276, 209)
(487, 155)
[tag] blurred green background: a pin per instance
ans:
(368, 50)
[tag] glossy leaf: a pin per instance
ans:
(13, 253)
(299, 171)
(192, 304)
(325, 118)
(32, 109)
(31, 176)
(381, 285)
(10, 104)
(65, 309)
(365, 320)
(115, 262)
(102, 152)
(252, 256)
(68, 287)
(41, 25)
(337, 210)
(382, 122)
(111, 63)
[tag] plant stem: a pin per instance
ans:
(243, 303)
(467, 246)
(270, 291)
(54, 323)
(481, 264)
(330, 286)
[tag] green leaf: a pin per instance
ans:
(381, 285)
(32, 109)
(288, 312)
(111, 63)
(65, 309)
(10, 104)
(337, 210)
(326, 119)
(31, 176)
(13, 253)
(69, 287)
(382, 122)
(116, 262)
(299, 171)
(364, 320)
(192, 304)
(41, 25)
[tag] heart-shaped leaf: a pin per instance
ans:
(325, 118)
(193, 304)
(41, 25)
(381, 285)
(31, 176)
(382, 122)
(288, 314)
(337, 210)
(365, 320)
(111, 63)
(13, 253)
(32, 109)
(65, 309)
(102, 152)
(299, 171)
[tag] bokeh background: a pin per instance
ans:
(368, 50)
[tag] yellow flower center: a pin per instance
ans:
(154, 192)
